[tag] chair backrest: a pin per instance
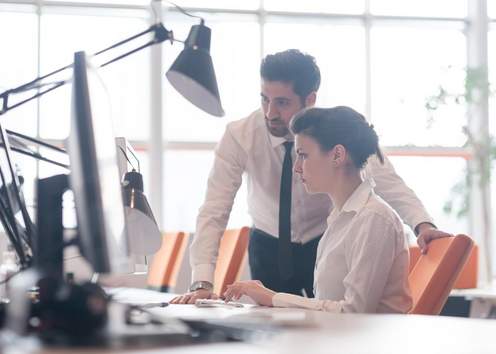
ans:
(467, 278)
(163, 271)
(414, 257)
(434, 275)
(232, 251)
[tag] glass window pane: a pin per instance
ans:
(127, 80)
(18, 64)
(438, 8)
(236, 65)
(343, 74)
(491, 9)
(220, 4)
(184, 191)
(408, 66)
(434, 189)
(492, 78)
(317, 6)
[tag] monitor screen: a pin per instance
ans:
(94, 177)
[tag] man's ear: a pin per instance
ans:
(310, 100)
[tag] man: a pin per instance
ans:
(287, 221)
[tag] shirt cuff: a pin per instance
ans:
(203, 272)
(291, 300)
(416, 231)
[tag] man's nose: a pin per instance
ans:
(271, 112)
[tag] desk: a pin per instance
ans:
(482, 300)
(312, 332)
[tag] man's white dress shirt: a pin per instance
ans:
(362, 260)
(248, 147)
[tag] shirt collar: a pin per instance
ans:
(276, 141)
(359, 197)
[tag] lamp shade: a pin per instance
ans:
(192, 73)
(145, 237)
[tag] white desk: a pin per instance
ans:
(329, 333)
(483, 301)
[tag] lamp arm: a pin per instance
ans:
(36, 141)
(22, 148)
(38, 157)
(161, 34)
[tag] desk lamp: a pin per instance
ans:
(199, 86)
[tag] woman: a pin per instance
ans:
(362, 258)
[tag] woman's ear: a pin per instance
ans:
(338, 155)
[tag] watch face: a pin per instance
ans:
(201, 285)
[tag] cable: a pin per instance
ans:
(179, 8)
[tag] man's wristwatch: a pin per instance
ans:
(201, 284)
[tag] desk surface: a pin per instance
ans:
(487, 293)
(316, 332)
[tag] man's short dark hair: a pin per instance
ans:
(294, 67)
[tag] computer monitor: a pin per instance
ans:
(94, 177)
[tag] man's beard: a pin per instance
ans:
(279, 130)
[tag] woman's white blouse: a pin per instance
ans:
(362, 260)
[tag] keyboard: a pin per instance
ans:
(217, 303)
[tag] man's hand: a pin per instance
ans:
(427, 233)
(252, 288)
(191, 297)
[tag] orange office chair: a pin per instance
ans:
(467, 278)
(414, 257)
(435, 273)
(232, 251)
(162, 274)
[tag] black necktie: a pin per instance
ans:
(285, 253)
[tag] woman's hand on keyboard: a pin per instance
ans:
(252, 288)
(191, 297)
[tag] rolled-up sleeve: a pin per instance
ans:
(223, 183)
(391, 187)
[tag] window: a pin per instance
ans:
(432, 179)
(186, 174)
(408, 65)
(236, 65)
(382, 57)
(427, 8)
(17, 65)
(491, 40)
(491, 9)
(341, 56)
(317, 6)
(128, 81)
(220, 4)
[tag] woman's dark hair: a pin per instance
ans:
(294, 67)
(339, 126)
